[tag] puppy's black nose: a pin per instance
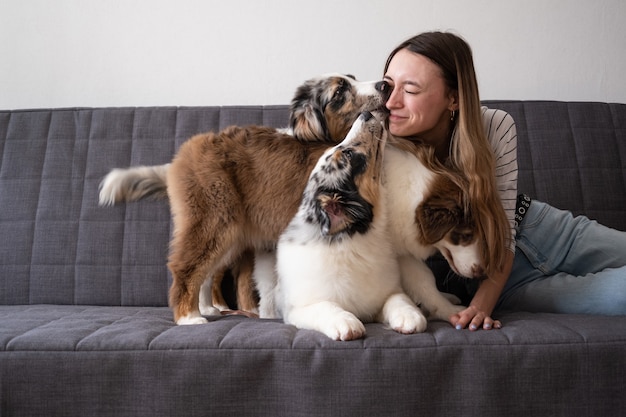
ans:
(366, 115)
(384, 88)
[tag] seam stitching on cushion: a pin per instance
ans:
(39, 326)
(37, 210)
(576, 154)
(82, 207)
(77, 131)
(78, 342)
(104, 326)
(612, 111)
(530, 168)
(133, 143)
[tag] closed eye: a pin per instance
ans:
(461, 237)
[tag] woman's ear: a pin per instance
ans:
(453, 97)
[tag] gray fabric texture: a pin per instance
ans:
(135, 361)
(85, 329)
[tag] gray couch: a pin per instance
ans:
(85, 328)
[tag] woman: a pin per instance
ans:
(580, 269)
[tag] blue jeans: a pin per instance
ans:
(566, 264)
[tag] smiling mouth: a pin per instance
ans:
(395, 117)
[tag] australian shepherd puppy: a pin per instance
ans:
(335, 263)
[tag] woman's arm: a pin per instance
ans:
(478, 313)
(502, 135)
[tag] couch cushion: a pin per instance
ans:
(88, 360)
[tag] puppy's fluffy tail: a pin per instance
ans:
(132, 184)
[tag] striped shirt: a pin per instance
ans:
(502, 135)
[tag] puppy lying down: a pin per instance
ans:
(335, 263)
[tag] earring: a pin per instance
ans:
(452, 114)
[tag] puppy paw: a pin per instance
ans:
(186, 320)
(407, 320)
(209, 310)
(344, 326)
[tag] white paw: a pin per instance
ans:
(185, 320)
(209, 310)
(407, 320)
(344, 326)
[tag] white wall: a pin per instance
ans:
(67, 53)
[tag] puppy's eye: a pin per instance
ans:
(462, 236)
(348, 153)
(341, 88)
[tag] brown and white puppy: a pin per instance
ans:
(239, 188)
(335, 265)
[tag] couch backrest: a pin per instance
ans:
(58, 246)
(573, 156)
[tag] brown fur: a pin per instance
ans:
(441, 211)
(235, 190)
(241, 271)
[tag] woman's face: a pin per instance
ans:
(420, 103)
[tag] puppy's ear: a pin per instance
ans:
(435, 218)
(333, 216)
(308, 123)
(344, 214)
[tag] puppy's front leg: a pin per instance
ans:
(206, 298)
(402, 315)
(419, 283)
(328, 318)
(266, 281)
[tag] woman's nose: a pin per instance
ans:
(393, 102)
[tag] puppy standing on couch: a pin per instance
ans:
(335, 264)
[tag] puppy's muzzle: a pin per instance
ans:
(384, 89)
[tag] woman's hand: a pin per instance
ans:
(474, 318)
(478, 314)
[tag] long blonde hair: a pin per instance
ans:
(470, 151)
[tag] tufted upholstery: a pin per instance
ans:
(59, 246)
(573, 155)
